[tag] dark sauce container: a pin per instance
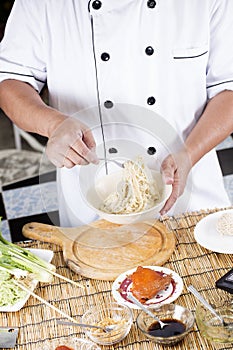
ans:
(180, 322)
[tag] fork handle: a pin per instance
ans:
(203, 301)
(146, 310)
(121, 165)
(68, 323)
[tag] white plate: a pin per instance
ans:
(207, 236)
(44, 254)
(122, 286)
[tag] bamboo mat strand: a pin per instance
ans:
(196, 265)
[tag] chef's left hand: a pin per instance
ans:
(175, 169)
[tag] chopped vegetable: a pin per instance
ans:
(9, 292)
(19, 263)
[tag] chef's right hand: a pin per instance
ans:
(70, 144)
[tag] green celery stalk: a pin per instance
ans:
(15, 249)
(14, 256)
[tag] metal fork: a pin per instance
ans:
(121, 165)
(105, 329)
(147, 311)
(205, 303)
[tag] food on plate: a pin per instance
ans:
(146, 283)
(63, 347)
(122, 288)
(225, 224)
(136, 192)
(17, 263)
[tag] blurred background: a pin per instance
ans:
(27, 179)
(5, 8)
(5, 140)
(20, 152)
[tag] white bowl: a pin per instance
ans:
(107, 184)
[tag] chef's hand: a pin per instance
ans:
(71, 143)
(175, 169)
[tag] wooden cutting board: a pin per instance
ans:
(103, 250)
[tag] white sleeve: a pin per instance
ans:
(21, 50)
(220, 66)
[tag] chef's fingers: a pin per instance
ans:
(70, 144)
(69, 159)
(172, 199)
(74, 158)
(168, 168)
(67, 163)
(175, 169)
(65, 157)
(60, 160)
(89, 140)
(82, 151)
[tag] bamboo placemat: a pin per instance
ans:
(196, 265)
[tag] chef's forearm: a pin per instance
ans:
(24, 106)
(215, 124)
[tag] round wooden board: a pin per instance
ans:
(105, 257)
(103, 250)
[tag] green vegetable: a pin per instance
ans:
(17, 260)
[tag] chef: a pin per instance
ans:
(129, 60)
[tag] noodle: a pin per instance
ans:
(225, 224)
(136, 192)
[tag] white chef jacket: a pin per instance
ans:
(167, 57)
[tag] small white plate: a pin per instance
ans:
(44, 254)
(122, 286)
(206, 234)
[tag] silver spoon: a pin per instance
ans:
(121, 165)
(105, 329)
(136, 302)
(205, 303)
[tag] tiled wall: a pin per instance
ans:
(33, 199)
